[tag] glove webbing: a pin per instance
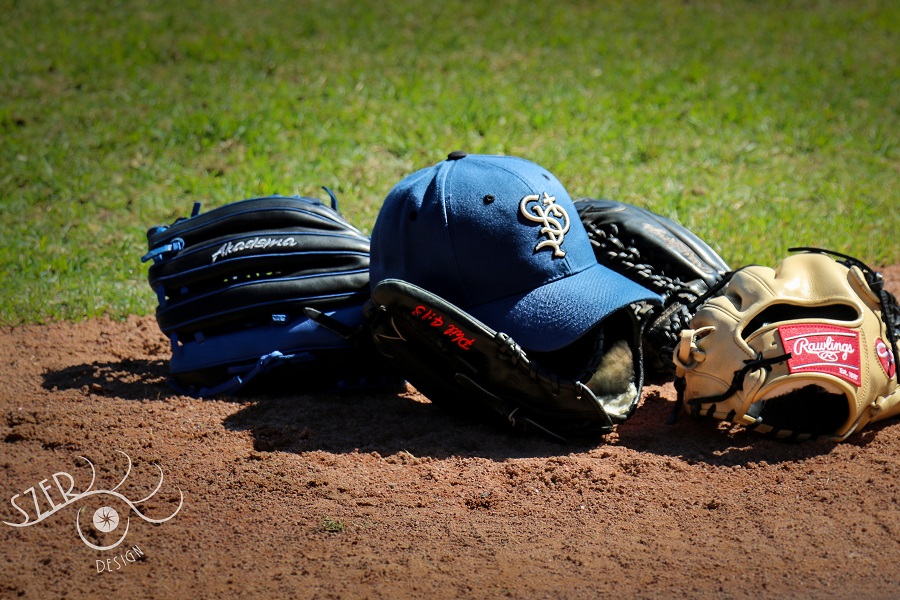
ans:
(628, 258)
(679, 304)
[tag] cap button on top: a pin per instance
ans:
(456, 155)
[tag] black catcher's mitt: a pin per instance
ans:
(461, 364)
(259, 283)
(662, 256)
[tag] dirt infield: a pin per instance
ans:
(387, 497)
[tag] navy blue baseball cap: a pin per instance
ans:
(499, 237)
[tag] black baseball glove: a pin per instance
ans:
(462, 364)
(662, 256)
(259, 283)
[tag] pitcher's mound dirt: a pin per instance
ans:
(387, 497)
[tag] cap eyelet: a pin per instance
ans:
(489, 199)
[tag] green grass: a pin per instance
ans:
(759, 125)
(332, 525)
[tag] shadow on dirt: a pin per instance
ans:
(385, 424)
(392, 422)
(129, 379)
(388, 424)
(693, 440)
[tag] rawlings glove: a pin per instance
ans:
(660, 255)
(259, 283)
(802, 351)
(461, 364)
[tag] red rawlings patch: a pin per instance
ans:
(886, 358)
(821, 348)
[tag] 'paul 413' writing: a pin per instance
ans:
(457, 335)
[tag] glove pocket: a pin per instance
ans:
(813, 378)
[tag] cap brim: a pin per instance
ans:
(556, 314)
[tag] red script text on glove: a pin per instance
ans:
(452, 331)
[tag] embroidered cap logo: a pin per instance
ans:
(553, 218)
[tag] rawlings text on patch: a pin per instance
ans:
(545, 210)
(457, 335)
(886, 358)
(820, 348)
(229, 247)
